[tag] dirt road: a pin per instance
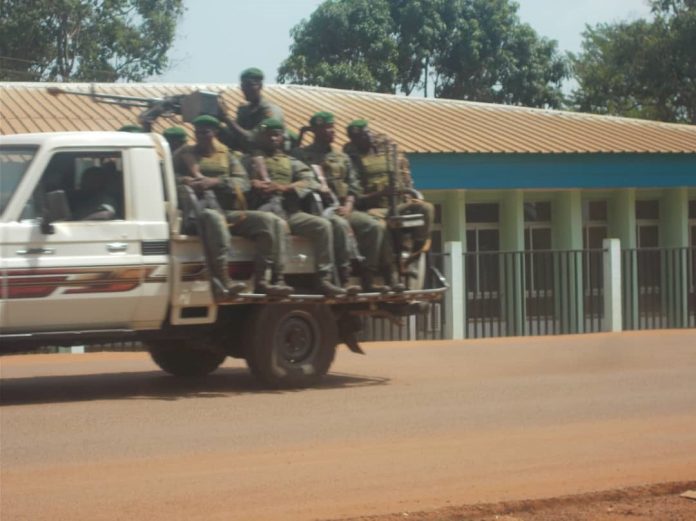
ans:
(411, 427)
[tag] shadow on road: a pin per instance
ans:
(153, 385)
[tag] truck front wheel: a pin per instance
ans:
(290, 346)
(184, 357)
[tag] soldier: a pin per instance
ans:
(239, 134)
(342, 184)
(176, 137)
(279, 182)
(372, 157)
(210, 166)
(94, 202)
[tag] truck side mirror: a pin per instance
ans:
(56, 209)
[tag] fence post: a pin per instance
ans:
(455, 319)
(612, 285)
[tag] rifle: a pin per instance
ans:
(326, 198)
(189, 106)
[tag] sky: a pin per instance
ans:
(217, 39)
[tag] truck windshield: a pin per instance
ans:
(14, 162)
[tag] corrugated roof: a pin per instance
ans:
(417, 124)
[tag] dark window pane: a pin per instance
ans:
(537, 212)
(692, 209)
(648, 236)
(436, 237)
(488, 240)
(541, 238)
(693, 237)
(648, 209)
(438, 214)
(595, 235)
(471, 242)
(482, 213)
(597, 211)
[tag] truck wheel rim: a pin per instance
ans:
(296, 340)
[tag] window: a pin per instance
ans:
(648, 224)
(539, 268)
(91, 181)
(482, 260)
(594, 224)
(692, 223)
(14, 162)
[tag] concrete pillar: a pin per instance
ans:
(566, 220)
(512, 265)
(674, 237)
(613, 321)
(622, 226)
(454, 217)
(455, 300)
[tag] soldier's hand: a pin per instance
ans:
(258, 184)
(204, 183)
(345, 210)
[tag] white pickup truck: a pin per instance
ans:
(135, 276)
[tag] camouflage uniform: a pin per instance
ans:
(373, 170)
(342, 181)
(284, 169)
(267, 231)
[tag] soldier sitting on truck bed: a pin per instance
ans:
(209, 165)
(340, 190)
(239, 134)
(279, 182)
(376, 160)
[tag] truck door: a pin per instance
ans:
(87, 271)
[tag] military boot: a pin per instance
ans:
(367, 277)
(276, 288)
(391, 278)
(344, 276)
(327, 288)
(223, 286)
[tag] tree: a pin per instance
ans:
(346, 44)
(644, 69)
(85, 40)
(469, 49)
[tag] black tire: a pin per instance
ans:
(291, 346)
(185, 357)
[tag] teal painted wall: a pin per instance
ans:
(548, 171)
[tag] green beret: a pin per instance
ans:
(206, 121)
(356, 126)
(131, 128)
(252, 74)
(271, 124)
(321, 118)
(175, 132)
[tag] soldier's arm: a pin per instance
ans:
(303, 178)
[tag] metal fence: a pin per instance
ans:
(658, 288)
(532, 292)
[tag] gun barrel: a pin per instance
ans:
(115, 99)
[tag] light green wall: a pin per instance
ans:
(566, 220)
(674, 218)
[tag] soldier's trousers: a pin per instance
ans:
(420, 233)
(265, 230)
(318, 231)
(345, 246)
(370, 233)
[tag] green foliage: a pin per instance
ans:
(468, 49)
(85, 40)
(344, 44)
(644, 69)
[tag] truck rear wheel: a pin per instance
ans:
(185, 358)
(290, 346)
